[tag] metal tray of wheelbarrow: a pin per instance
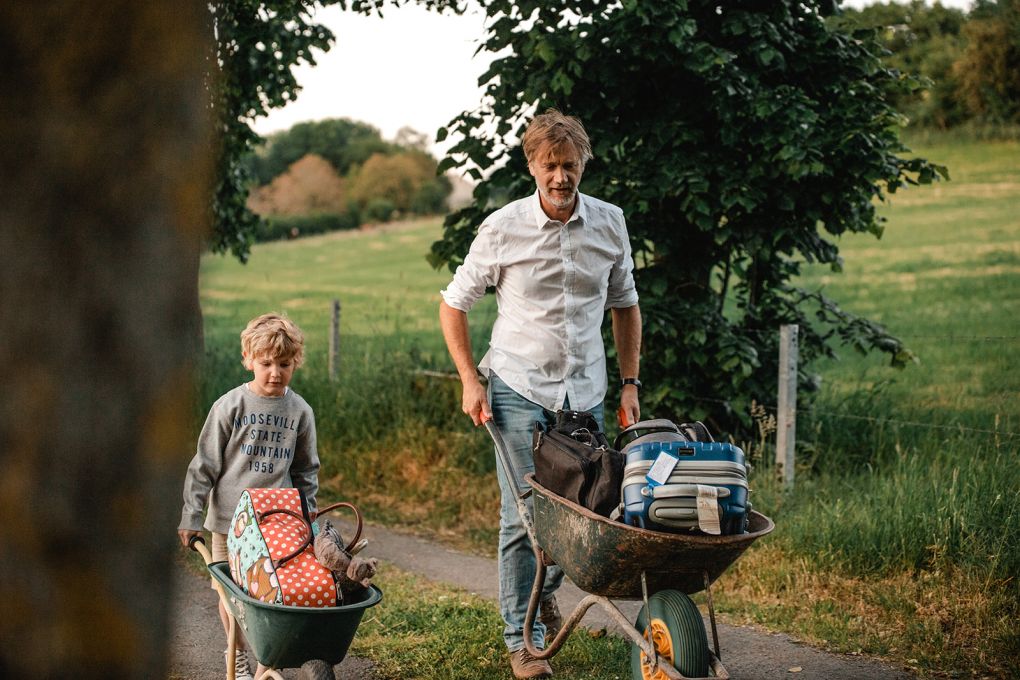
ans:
(606, 557)
(285, 636)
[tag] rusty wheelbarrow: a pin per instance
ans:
(610, 559)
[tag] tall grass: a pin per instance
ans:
(902, 535)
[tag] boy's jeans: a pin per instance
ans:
(515, 416)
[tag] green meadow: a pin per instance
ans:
(902, 536)
(945, 278)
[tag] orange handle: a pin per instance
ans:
(621, 416)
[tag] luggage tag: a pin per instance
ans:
(661, 469)
(708, 509)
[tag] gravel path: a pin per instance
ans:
(747, 653)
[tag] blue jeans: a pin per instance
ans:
(515, 417)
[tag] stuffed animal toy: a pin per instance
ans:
(353, 574)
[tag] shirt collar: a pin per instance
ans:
(541, 219)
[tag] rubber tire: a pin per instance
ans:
(317, 670)
(686, 631)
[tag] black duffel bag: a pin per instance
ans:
(573, 460)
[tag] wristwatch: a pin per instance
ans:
(632, 381)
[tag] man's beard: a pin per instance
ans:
(560, 203)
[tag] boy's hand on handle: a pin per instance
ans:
(186, 536)
(476, 402)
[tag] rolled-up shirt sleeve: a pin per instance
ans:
(622, 292)
(479, 271)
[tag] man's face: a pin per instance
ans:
(557, 171)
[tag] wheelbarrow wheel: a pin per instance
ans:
(675, 626)
(317, 670)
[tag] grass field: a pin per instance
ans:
(945, 277)
(430, 632)
(387, 291)
(903, 536)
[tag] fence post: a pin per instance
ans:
(334, 342)
(786, 418)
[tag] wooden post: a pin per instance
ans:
(786, 418)
(334, 342)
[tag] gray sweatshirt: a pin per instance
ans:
(249, 441)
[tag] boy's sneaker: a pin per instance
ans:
(550, 616)
(242, 671)
(525, 666)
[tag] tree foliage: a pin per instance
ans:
(310, 186)
(924, 42)
(407, 180)
(739, 139)
(968, 64)
(989, 69)
(343, 142)
(257, 44)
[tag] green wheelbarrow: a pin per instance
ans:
(610, 559)
(313, 639)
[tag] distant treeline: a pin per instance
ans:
(967, 64)
(337, 174)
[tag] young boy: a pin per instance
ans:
(258, 435)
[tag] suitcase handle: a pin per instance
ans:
(691, 432)
(678, 490)
(643, 427)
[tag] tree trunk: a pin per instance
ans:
(103, 198)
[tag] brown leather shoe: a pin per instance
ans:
(526, 666)
(549, 614)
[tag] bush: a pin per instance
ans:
(292, 226)
(379, 210)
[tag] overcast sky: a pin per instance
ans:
(411, 68)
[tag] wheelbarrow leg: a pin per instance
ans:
(533, 604)
(711, 615)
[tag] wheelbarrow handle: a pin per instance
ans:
(503, 454)
(197, 543)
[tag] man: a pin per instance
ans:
(557, 259)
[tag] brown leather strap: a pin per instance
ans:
(304, 524)
(357, 515)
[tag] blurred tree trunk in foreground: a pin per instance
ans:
(103, 207)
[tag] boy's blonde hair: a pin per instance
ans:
(556, 129)
(272, 335)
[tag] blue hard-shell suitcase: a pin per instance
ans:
(673, 505)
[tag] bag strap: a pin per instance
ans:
(304, 524)
(357, 516)
(697, 432)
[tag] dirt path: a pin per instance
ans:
(747, 653)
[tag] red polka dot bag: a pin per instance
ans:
(270, 552)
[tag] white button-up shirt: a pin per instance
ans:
(553, 282)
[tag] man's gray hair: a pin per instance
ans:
(555, 128)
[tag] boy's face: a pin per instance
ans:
(272, 375)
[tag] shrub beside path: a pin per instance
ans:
(747, 653)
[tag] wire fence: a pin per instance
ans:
(773, 409)
(1008, 397)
